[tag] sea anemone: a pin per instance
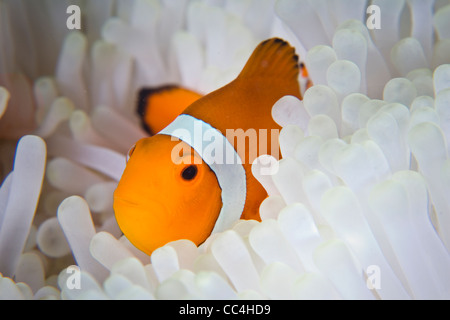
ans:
(358, 207)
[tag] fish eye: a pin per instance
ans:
(130, 152)
(189, 173)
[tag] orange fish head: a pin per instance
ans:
(166, 193)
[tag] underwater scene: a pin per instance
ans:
(224, 149)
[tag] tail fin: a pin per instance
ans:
(273, 58)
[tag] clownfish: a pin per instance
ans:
(174, 187)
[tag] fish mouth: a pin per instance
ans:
(143, 224)
(126, 202)
(152, 207)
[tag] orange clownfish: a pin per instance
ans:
(189, 179)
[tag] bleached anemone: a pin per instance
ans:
(358, 208)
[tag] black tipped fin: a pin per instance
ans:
(274, 58)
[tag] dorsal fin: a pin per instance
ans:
(159, 106)
(273, 58)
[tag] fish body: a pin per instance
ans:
(174, 187)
